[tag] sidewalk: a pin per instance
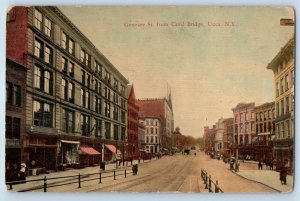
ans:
(69, 172)
(269, 178)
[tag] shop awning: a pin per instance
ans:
(69, 142)
(89, 151)
(112, 148)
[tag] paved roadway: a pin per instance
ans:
(182, 174)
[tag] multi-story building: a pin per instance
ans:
(179, 139)
(209, 140)
(153, 132)
(15, 112)
(228, 137)
(160, 108)
(265, 132)
(132, 125)
(244, 129)
(218, 142)
(283, 68)
(75, 98)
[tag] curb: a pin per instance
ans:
(257, 182)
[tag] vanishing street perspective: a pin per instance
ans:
(150, 99)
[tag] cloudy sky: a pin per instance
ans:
(209, 68)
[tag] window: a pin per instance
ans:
(48, 27)
(38, 19)
(107, 76)
(246, 116)
(98, 68)
(252, 127)
(123, 133)
(287, 103)
(13, 94)
(123, 103)
(282, 107)
(277, 89)
(265, 115)
(236, 118)
(85, 125)
(71, 69)
(98, 87)
(38, 50)
(71, 90)
(82, 98)
(64, 89)
(97, 102)
(246, 128)
(88, 80)
(68, 123)
(241, 117)
(151, 130)
(42, 114)
(116, 98)
(87, 100)
(116, 84)
(98, 127)
(241, 128)
(43, 51)
(286, 82)
(107, 108)
(151, 139)
(277, 109)
(64, 64)
(269, 114)
(252, 115)
(47, 81)
(67, 43)
(42, 79)
(85, 58)
(107, 130)
(116, 132)
(12, 127)
(83, 77)
(281, 86)
(123, 90)
(123, 116)
(292, 77)
(116, 112)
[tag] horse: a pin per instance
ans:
(270, 165)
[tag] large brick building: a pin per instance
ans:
(75, 98)
(132, 125)
(160, 108)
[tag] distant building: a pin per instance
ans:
(153, 132)
(228, 137)
(283, 66)
(141, 136)
(209, 140)
(160, 108)
(244, 128)
(265, 132)
(132, 124)
(179, 139)
(218, 143)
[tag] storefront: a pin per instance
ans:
(89, 156)
(68, 153)
(111, 153)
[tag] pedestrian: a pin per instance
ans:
(22, 173)
(283, 175)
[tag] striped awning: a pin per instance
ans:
(89, 151)
(112, 148)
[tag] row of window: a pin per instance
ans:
(151, 122)
(43, 115)
(284, 106)
(244, 130)
(151, 131)
(284, 129)
(151, 139)
(244, 139)
(284, 84)
(265, 115)
(45, 52)
(243, 116)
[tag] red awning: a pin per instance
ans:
(89, 151)
(112, 148)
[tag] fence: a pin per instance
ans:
(209, 182)
(72, 179)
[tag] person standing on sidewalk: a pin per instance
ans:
(283, 175)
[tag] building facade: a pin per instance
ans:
(244, 129)
(153, 132)
(179, 139)
(228, 137)
(132, 125)
(15, 113)
(218, 143)
(209, 140)
(160, 108)
(283, 66)
(75, 98)
(265, 132)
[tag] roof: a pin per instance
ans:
(151, 107)
(89, 151)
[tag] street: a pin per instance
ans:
(181, 173)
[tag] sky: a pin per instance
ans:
(210, 67)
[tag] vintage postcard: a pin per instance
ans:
(150, 99)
